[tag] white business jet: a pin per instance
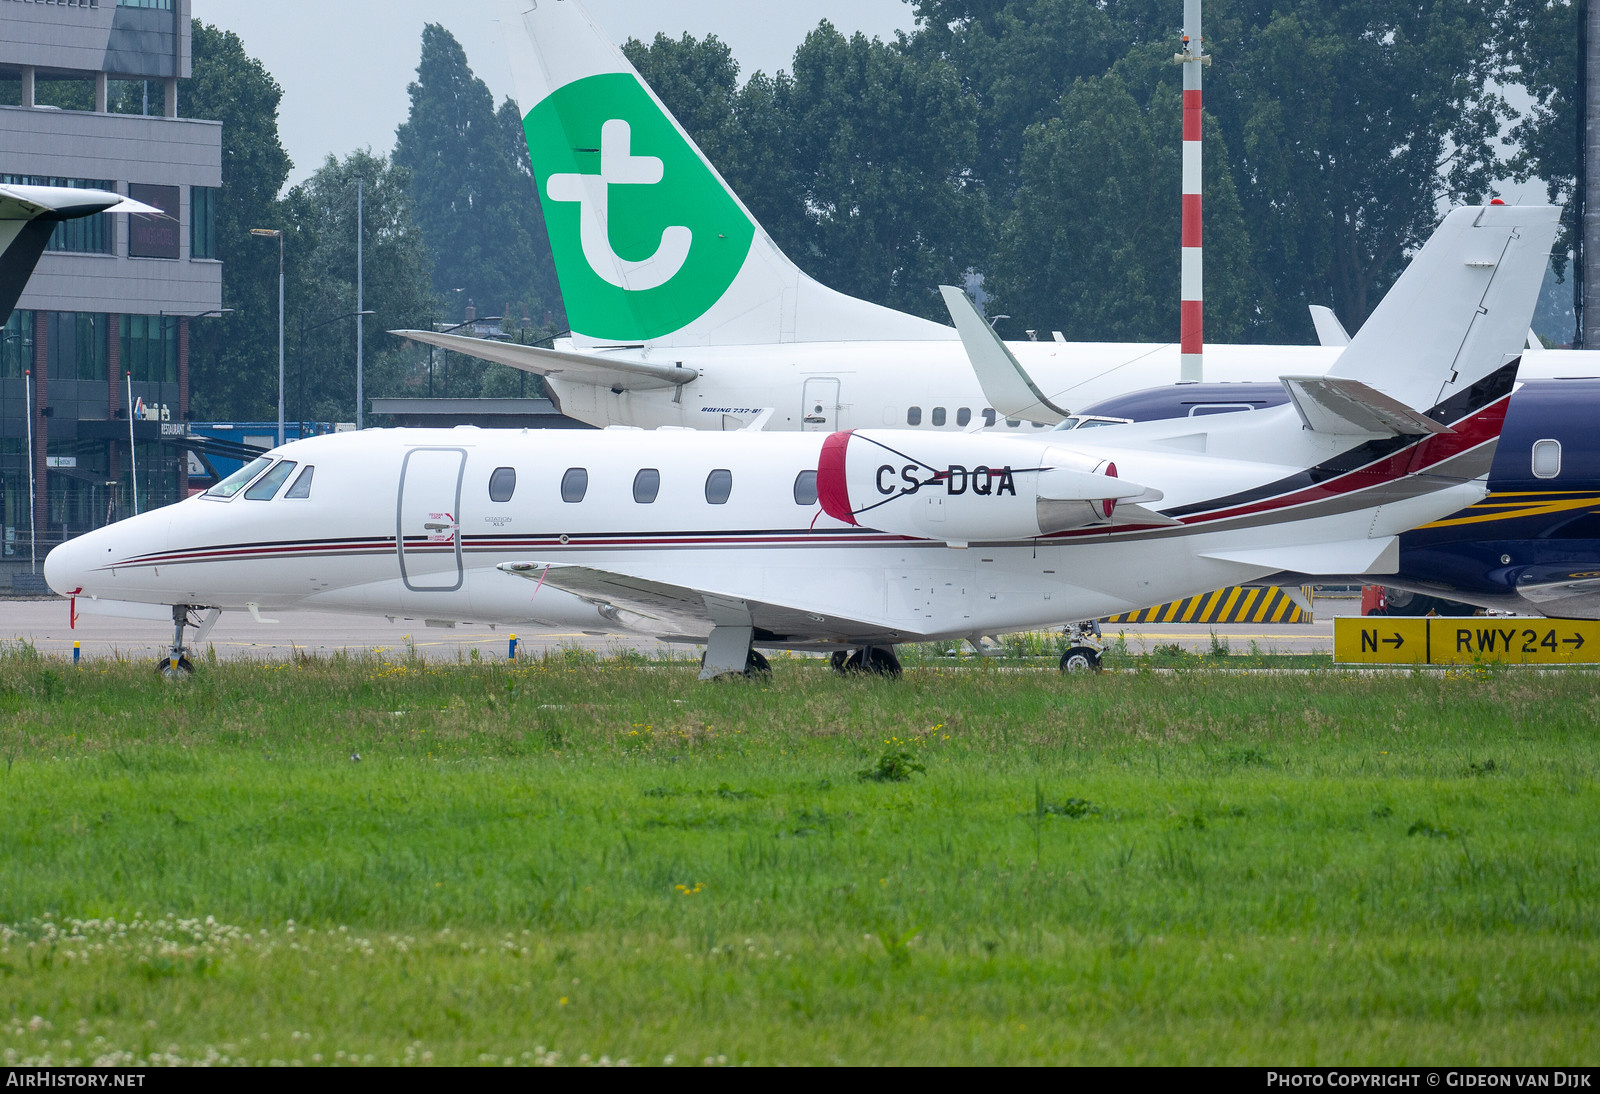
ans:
(858, 540)
(684, 312)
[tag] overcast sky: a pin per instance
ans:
(344, 64)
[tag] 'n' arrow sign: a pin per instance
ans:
(1396, 641)
(1576, 642)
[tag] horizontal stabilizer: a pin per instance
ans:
(1352, 556)
(579, 368)
(1350, 408)
(1006, 384)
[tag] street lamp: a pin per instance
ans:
(273, 233)
(300, 370)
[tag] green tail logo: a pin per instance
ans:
(645, 237)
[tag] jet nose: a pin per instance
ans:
(67, 567)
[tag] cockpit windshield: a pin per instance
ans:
(267, 488)
(237, 481)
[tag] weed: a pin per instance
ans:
(894, 766)
(1485, 768)
(1072, 807)
(1219, 646)
(1431, 830)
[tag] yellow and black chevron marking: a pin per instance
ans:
(1235, 604)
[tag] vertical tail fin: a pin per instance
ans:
(651, 246)
(1458, 315)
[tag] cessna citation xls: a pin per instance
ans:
(860, 539)
(684, 312)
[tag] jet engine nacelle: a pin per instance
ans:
(962, 487)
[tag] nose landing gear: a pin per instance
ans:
(1083, 647)
(176, 665)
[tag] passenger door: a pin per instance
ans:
(819, 412)
(428, 533)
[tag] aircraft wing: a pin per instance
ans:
(1005, 382)
(581, 368)
(680, 611)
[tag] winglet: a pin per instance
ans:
(1004, 381)
(1330, 332)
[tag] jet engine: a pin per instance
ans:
(962, 487)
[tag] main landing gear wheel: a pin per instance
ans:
(839, 660)
(754, 665)
(875, 661)
(1080, 659)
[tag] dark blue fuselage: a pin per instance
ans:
(1532, 544)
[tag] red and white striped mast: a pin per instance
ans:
(1191, 291)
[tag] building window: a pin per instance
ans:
(719, 485)
(202, 222)
(158, 5)
(94, 235)
(574, 484)
(151, 236)
(16, 351)
(1546, 459)
(150, 348)
(77, 345)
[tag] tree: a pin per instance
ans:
(1541, 54)
(233, 360)
(397, 288)
(472, 188)
(1349, 124)
(1091, 245)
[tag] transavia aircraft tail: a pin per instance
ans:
(861, 539)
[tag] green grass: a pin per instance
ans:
(568, 859)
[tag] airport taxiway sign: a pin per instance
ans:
(1380, 640)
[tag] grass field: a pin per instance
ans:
(567, 861)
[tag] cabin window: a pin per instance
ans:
(1546, 459)
(237, 481)
(502, 484)
(914, 416)
(988, 417)
(719, 484)
(574, 484)
(271, 482)
(938, 415)
(646, 485)
(302, 484)
(1012, 423)
(964, 415)
(805, 488)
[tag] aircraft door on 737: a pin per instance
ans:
(820, 412)
(429, 519)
